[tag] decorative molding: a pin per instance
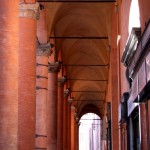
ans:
(54, 67)
(44, 50)
(131, 46)
(29, 11)
(66, 93)
(61, 80)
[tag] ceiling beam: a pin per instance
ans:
(80, 65)
(78, 1)
(88, 80)
(80, 37)
(90, 91)
(88, 100)
(93, 108)
(90, 119)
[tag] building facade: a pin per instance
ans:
(66, 58)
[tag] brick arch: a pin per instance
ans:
(89, 108)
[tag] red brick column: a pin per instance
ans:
(72, 128)
(65, 119)
(114, 82)
(28, 14)
(52, 106)
(61, 82)
(69, 123)
(76, 134)
(69, 128)
(43, 51)
(8, 75)
(114, 103)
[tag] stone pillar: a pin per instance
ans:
(61, 82)
(9, 75)
(52, 106)
(43, 51)
(65, 119)
(28, 13)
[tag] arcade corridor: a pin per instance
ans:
(62, 59)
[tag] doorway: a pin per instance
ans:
(90, 132)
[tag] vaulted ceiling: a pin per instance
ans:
(82, 36)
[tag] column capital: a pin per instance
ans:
(66, 93)
(29, 11)
(44, 50)
(61, 80)
(70, 100)
(54, 67)
(73, 108)
(75, 114)
(77, 119)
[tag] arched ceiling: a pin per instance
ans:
(81, 32)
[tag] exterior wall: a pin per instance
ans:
(144, 6)
(122, 35)
(117, 83)
(123, 21)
